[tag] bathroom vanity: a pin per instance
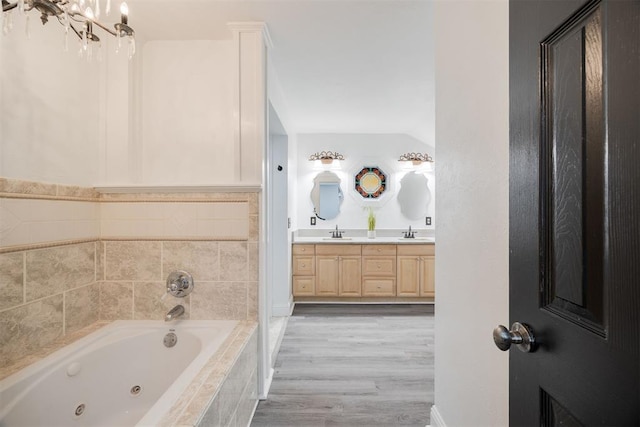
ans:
(359, 270)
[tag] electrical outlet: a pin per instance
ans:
(313, 220)
(288, 223)
(428, 220)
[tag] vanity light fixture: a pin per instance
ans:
(416, 158)
(326, 157)
(77, 16)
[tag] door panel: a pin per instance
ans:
(350, 276)
(428, 276)
(574, 209)
(327, 273)
(408, 276)
(572, 167)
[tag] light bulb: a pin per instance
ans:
(89, 14)
(124, 13)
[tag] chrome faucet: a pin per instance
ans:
(409, 234)
(337, 234)
(175, 312)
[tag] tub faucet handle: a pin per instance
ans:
(179, 284)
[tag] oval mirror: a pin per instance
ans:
(326, 195)
(414, 196)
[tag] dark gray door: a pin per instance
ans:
(575, 211)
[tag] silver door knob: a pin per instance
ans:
(520, 334)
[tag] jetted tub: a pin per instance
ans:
(124, 374)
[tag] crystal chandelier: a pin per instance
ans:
(78, 16)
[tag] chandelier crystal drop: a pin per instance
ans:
(80, 17)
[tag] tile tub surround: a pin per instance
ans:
(57, 280)
(48, 293)
(135, 273)
(43, 214)
(45, 293)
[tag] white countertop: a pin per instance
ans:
(385, 236)
(365, 240)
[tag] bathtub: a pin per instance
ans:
(128, 373)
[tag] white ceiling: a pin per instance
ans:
(344, 66)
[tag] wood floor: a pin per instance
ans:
(353, 365)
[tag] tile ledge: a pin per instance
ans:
(224, 188)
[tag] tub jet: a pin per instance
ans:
(79, 409)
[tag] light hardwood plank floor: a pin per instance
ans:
(352, 365)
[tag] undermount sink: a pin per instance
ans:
(408, 239)
(336, 238)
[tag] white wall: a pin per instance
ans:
(171, 115)
(187, 122)
(189, 112)
(359, 150)
(49, 106)
(472, 124)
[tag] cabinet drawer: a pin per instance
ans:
(378, 250)
(379, 266)
(304, 265)
(378, 287)
(338, 249)
(303, 249)
(413, 249)
(304, 286)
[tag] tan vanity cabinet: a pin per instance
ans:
(416, 272)
(378, 270)
(367, 270)
(338, 270)
(304, 270)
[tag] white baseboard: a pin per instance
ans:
(436, 418)
(267, 385)
(283, 310)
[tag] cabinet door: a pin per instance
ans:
(427, 286)
(327, 275)
(304, 286)
(350, 276)
(408, 276)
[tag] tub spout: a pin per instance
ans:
(175, 312)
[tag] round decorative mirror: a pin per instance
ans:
(414, 196)
(326, 195)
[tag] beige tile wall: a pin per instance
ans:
(45, 294)
(225, 277)
(52, 289)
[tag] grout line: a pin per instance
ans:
(24, 277)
